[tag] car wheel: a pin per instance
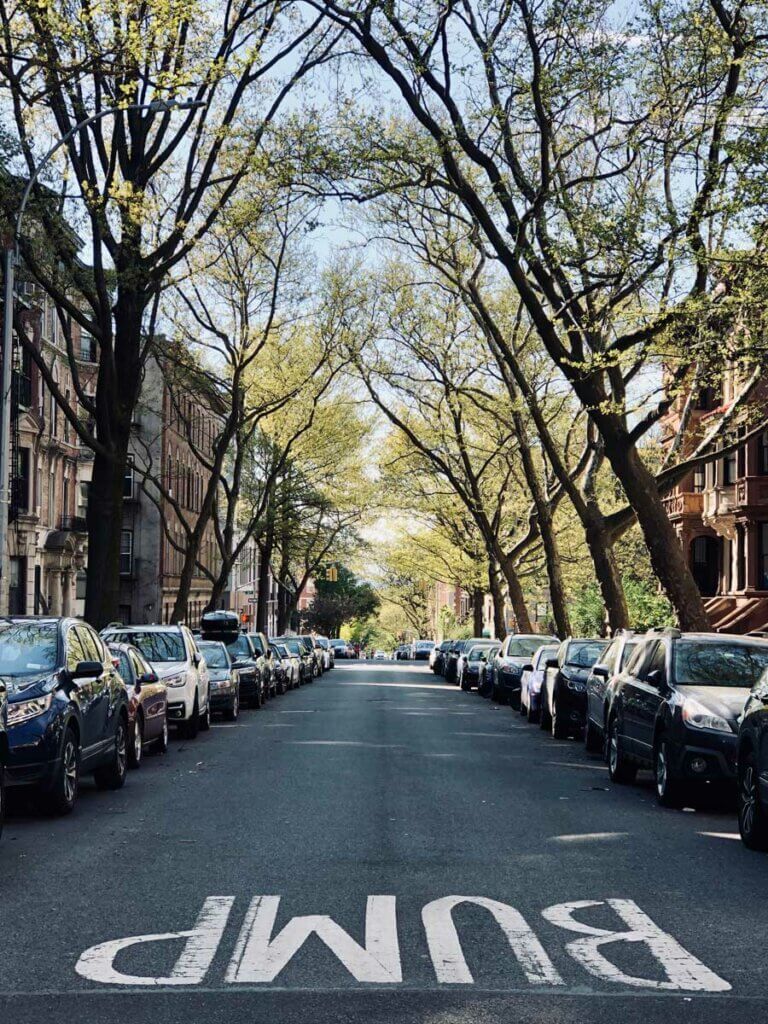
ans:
(593, 740)
(545, 719)
(533, 713)
(559, 728)
(205, 718)
(619, 769)
(523, 707)
(2, 798)
(193, 722)
(161, 745)
(670, 791)
(753, 820)
(112, 774)
(232, 712)
(136, 747)
(61, 797)
(465, 683)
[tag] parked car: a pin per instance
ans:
(339, 648)
(67, 710)
(172, 653)
(280, 670)
(478, 648)
(451, 672)
(475, 673)
(676, 709)
(260, 648)
(147, 703)
(752, 767)
(531, 681)
(290, 665)
(402, 652)
(325, 645)
(305, 654)
(422, 649)
(600, 687)
(225, 678)
(379, 656)
(507, 669)
(564, 690)
(315, 652)
(3, 748)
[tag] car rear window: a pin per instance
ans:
(155, 646)
(214, 654)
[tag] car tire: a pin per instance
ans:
(232, 712)
(670, 791)
(136, 747)
(61, 796)
(205, 718)
(2, 798)
(558, 728)
(112, 774)
(753, 819)
(593, 740)
(545, 719)
(161, 743)
(533, 714)
(465, 683)
(620, 770)
(192, 724)
(523, 709)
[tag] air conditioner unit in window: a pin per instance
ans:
(27, 288)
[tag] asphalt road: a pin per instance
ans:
(379, 781)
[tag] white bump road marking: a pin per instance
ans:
(448, 957)
(587, 837)
(721, 835)
(684, 972)
(258, 957)
(201, 943)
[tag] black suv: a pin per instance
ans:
(3, 750)
(676, 708)
(67, 708)
(600, 681)
(752, 767)
(564, 689)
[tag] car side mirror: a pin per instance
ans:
(527, 668)
(656, 678)
(601, 670)
(196, 658)
(269, 655)
(148, 677)
(552, 663)
(86, 670)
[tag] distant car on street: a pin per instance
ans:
(225, 678)
(147, 703)
(470, 659)
(379, 656)
(339, 648)
(600, 687)
(531, 681)
(516, 652)
(285, 667)
(677, 707)
(564, 690)
(438, 656)
(303, 652)
(173, 654)
(67, 711)
(422, 649)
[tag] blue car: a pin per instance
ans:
(67, 710)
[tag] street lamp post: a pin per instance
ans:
(10, 261)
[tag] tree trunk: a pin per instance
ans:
(478, 607)
(265, 557)
(497, 594)
(105, 523)
(517, 598)
(666, 553)
(607, 572)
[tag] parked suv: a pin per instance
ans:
(676, 709)
(174, 656)
(67, 710)
(564, 690)
(507, 668)
(261, 652)
(752, 767)
(600, 683)
(3, 749)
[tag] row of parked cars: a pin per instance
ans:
(76, 702)
(690, 707)
(417, 650)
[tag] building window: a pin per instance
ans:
(126, 552)
(762, 453)
(762, 553)
(708, 398)
(699, 477)
(17, 590)
(128, 480)
(87, 347)
(20, 485)
(730, 468)
(81, 582)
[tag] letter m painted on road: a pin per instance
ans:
(259, 957)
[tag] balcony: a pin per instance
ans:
(73, 524)
(685, 503)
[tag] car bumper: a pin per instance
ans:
(222, 698)
(706, 760)
(33, 750)
(572, 704)
(508, 682)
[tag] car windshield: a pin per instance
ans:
(524, 647)
(294, 646)
(155, 646)
(240, 647)
(584, 654)
(215, 655)
(698, 663)
(27, 647)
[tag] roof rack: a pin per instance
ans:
(670, 631)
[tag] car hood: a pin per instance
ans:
(26, 686)
(726, 701)
(164, 669)
(217, 674)
(579, 674)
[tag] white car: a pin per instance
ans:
(328, 654)
(174, 656)
(379, 656)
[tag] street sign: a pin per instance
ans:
(253, 600)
